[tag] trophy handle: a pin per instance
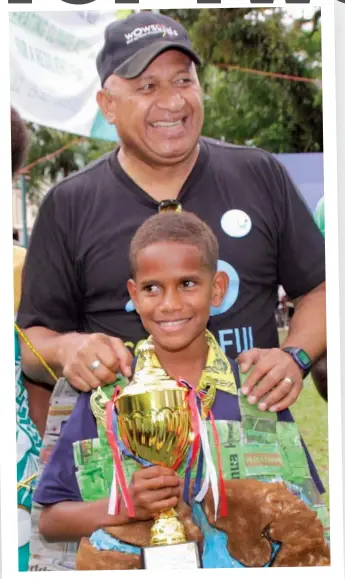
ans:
(167, 529)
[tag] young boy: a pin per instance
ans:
(175, 283)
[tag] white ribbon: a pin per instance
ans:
(210, 470)
(113, 495)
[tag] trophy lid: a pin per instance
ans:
(148, 377)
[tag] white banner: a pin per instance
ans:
(54, 79)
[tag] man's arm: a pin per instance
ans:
(301, 272)
(308, 325)
(71, 355)
(273, 366)
(319, 375)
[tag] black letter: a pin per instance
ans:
(78, 1)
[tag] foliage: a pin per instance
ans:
(282, 116)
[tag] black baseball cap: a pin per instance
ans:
(131, 44)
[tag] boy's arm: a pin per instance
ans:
(72, 520)
(153, 490)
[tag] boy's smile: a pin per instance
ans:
(173, 292)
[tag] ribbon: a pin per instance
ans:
(119, 477)
(192, 398)
(223, 504)
(211, 474)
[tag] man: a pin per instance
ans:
(78, 312)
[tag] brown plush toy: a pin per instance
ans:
(257, 512)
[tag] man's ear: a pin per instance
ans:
(107, 105)
(220, 287)
(132, 290)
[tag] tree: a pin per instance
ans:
(45, 141)
(244, 108)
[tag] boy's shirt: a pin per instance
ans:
(59, 483)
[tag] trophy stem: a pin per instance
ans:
(167, 529)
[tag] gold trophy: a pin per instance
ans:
(155, 425)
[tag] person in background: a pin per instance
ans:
(319, 369)
(31, 400)
(15, 236)
(319, 215)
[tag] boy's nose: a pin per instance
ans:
(171, 302)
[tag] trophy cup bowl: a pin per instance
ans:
(154, 423)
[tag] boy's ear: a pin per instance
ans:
(132, 290)
(220, 287)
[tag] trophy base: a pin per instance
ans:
(182, 556)
(167, 530)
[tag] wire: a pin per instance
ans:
(51, 155)
(34, 351)
(267, 73)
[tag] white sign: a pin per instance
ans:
(54, 79)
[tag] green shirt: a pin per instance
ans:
(319, 216)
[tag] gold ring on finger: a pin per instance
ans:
(288, 380)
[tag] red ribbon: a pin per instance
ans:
(117, 460)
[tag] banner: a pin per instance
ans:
(53, 72)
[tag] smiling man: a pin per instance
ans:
(80, 317)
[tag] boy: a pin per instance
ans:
(175, 283)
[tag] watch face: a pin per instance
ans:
(304, 358)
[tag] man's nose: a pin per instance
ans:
(171, 100)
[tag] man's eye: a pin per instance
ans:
(188, 283)
(183, 81)
(147, 87)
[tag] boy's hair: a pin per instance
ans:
(180, 227)
(19, 141)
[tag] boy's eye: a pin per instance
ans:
(188, 283)
(151, 288)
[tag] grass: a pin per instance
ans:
(311, 415)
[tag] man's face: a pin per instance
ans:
(158, 115)
(173, 292)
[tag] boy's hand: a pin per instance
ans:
(154, 489)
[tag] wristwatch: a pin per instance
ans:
(301, 358)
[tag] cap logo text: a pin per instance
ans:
(150, 30)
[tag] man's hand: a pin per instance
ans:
(154, 490)
(94, 360)
(275, 381)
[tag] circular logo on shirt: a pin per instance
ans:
(233, 289)
(236, 223)
(130, 307)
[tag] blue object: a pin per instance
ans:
(306, 171)
(102, 541)
(215, 554)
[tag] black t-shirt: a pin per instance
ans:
(77, 264)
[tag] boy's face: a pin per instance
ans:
(173, 292)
